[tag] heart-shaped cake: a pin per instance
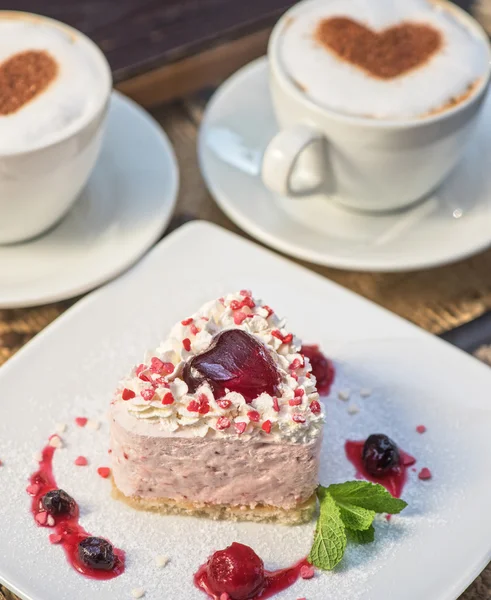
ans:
(24, 76)
(383, 54)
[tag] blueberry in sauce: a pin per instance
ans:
(380, 454)
(96, 553)
(58, 502)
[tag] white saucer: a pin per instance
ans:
(453, 223)
(121, 213)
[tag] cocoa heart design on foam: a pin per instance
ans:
(385, 54)
(23, 76)
(236, 361)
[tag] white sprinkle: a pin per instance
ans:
(365, 392)
(91, 424)
(353, 409)
(344, 394)
(37, 456)
(161, 561)
(50, 521)
(137, 592)
(60, 427)
(56, 442)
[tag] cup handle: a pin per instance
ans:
(281, 156)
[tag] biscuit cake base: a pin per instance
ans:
(221, 512)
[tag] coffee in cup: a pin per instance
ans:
(55, 86)
(376, 100)
(383, 59)
(48, 82)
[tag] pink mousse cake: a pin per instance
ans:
(222, 420)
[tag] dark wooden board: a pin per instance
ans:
(140, 35)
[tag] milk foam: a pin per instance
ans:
(343, 87)
(73, 94)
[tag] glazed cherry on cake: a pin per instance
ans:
(237, 362)
(230, 381)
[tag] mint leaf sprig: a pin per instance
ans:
(347, 511)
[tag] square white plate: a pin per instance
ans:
(432, 551)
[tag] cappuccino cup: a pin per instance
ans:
(55, 86)
(375, 100)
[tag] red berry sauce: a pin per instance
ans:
(393, 481)
(322, 368)
(238, 573)
(65, 529)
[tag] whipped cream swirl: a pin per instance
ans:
(156, 392)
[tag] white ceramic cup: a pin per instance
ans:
(38, 186)
(366, 164)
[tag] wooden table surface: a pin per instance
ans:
(436, 300)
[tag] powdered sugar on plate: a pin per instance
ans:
(74, 368)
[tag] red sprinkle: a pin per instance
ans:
(187, 321)
(298, 418)
(204, 405)
(288, 338)
(295, 402)
(223, 423)
(276, 405)
(266, 426)
(55, 538)
(240, 427)
(147, 394)
(167, 368)
(224, 403)
(81, 421)
(160, 381)
(235, 305)
(33, 489)
(315, 407)
(277, 334)
(294, 375)
(239, 317)
(41, 518)
(248, 301)
(168, 399)
(254, 415)
(307, 572)
(127, 394)
(186, 342)
(194, 330)
(81, 461)
(296, 364)
(156, 365)
(299, 392)
(104, 472)
(424, 474)
(245, 293)
(270, 310)
(139, 369)
(421, 429)
(193, 406)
